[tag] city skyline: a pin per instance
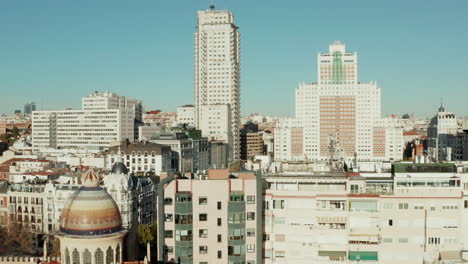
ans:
(55, 53)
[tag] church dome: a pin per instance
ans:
(119, 168)
(90, 211)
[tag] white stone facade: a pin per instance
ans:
(217, 71)
(186, 115)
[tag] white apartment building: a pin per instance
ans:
(186, 115)
(416, 216)
(105, 118)
(217, 74)
(212, 219)
(337, 109)
(215, 124)
(107, 100)
(143, 157)
(442, 133)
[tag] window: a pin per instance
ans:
(434, 240)
(169, 249)
(203, 201)
(403, 240)
(183, 219)
(250, 232)
(168, 217)
(236, 233)
(251, 248)
(203, 250)
(99, 256)
(236, 197)
(219, 205)
(220, 254)
(183, 235)
(387, 240)
(219, 221)
(250, 199)
(250, 216)
(278, 204)
(203, 217)
(236, 218)
(183, 198)
(466, 203)
(167, 201)
(402, 206)
(219, 238)
(203, 233)
(236, 250)
(168, 233)
(390, 222)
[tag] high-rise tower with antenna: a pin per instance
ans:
(217, 78)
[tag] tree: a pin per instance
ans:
(19, 239)
(55, 247)
(15, 132)
(144, 234)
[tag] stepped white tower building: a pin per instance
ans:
(217, 78)
(339, 117)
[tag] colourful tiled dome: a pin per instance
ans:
(90, 211)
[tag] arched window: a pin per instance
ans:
(99, 256)
(67, 256)
(75, 257)
(117, 254)
(167, 201)
(109, 256)
(86, 257)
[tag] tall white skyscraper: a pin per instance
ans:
(339, 117)
(217, 77)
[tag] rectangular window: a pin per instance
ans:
(250, 232)
(219, 221)
(183, 235)
(403, 240)
(403, 206)
(203, 250)
(203, 233)
(250, 199)
(167, 217)
(219, 206)
(251, 248)
(168, 234)
(219, 238)
(390, 222)
(250, 216)
(203, 217)
(203, 201)
(220, 254)
(466, 203)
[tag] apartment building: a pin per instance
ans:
(104, 119)
(192, 151)
(186, 115)
(143, 157)
(442, 133)
(212, 219)
(251, 141)
(337, 114)
(414, 213)
(217, 78)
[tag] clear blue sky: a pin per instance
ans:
(54, 52)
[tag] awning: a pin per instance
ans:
(450, 255)
(363, 255)
(332, 253)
